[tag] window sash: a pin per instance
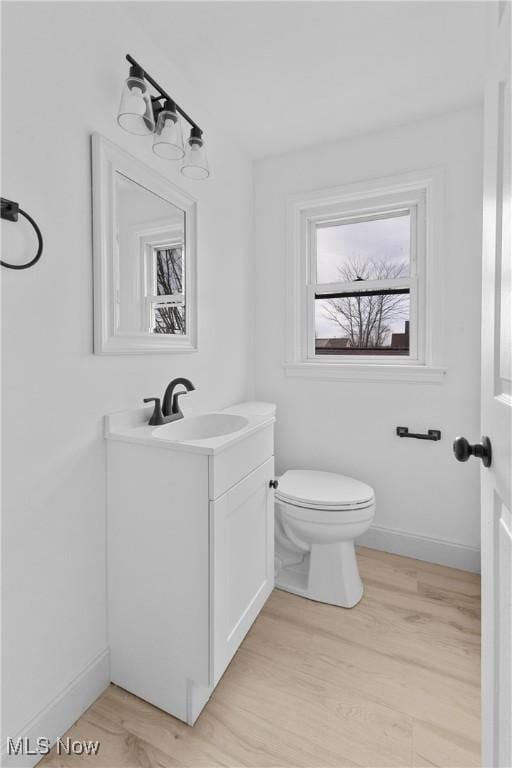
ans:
(412, 288)
(320, 222)
(153, 256)
(154, 306)
(153, 302)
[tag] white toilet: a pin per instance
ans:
(317, 517)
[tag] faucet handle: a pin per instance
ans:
(157, 417)
(175, 408)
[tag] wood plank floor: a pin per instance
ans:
(392, 682)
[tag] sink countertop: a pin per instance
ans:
(132, 427)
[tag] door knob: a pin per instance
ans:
(274, 484)
(463, 450)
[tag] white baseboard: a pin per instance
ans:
(60, 714)
(422, 548)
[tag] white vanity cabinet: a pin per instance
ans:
(190, 561)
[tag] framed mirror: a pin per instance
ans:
(144, 257)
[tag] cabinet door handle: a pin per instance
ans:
(274, 484)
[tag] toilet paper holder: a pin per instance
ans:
(432, 434)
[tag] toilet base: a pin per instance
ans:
(328, 574)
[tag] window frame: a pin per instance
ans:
(421, 194)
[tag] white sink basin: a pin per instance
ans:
(202, 427)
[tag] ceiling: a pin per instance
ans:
(285, 75)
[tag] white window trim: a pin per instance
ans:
(421, 191)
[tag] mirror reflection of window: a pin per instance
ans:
(151, 268)
(168, 307)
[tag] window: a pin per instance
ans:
(165, 302)
(363, 275)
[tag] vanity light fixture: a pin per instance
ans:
(143, 114)
(168, 138)
(136, 110)
(195, 165)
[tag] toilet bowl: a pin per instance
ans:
(318, 515)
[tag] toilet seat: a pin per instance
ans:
(328, 515)
(323, 507)
(324, 491)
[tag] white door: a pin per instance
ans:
(497, 401)
(242, 543)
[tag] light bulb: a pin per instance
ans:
(168, 125)
(137, 105)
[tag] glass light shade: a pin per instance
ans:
(195, 165)
(168, 141)
(135, 113)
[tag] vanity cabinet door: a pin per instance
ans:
(242, 560)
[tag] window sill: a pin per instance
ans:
(423, 374)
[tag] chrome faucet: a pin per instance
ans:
(170, 410)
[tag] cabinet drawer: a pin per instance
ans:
(233, 464)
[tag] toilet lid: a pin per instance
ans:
(306, 487)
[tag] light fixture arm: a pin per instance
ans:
(163, 94)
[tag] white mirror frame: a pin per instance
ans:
(107, 160)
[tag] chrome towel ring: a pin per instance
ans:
(10, 210)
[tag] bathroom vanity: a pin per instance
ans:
(190, 548)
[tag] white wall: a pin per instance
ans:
(349, 427)
(62, 74)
